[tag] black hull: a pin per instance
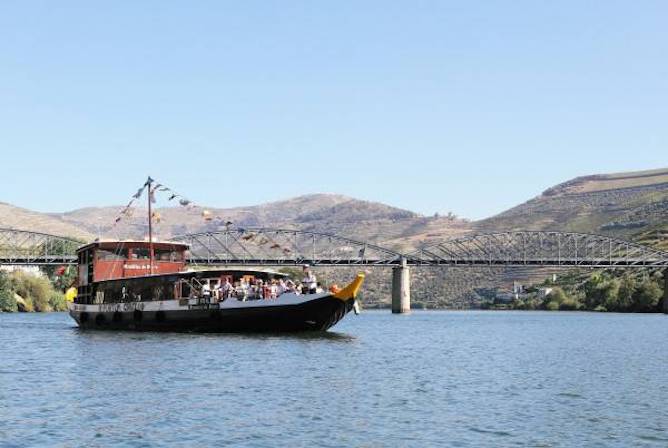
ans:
(316, 315)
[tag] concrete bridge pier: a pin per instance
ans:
(665, 291)
(401, 288)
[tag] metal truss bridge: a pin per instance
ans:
(277, 247)
(287, 247)
(21, 247)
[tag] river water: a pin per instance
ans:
(460, 379)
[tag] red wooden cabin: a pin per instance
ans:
(106, 260)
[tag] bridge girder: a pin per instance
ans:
(539, 248)
(289, 247)
(283, 247)
(22, 247)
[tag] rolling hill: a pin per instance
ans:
(22, 219)
(329, 213)
(627, 205)
(630, 205)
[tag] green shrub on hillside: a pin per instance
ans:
(57, 301)
(7, 300)
(557, 296)
(26, 306)
(606, 291)
(627, 289)
(552, 306)
(646, 298)
(35, 290)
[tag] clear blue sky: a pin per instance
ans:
(428, 105)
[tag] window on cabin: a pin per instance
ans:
(116, 255)
(139, 253)
(168, 255)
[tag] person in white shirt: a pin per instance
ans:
(309, 281)
(227, 288)
(206, 290)
(244, 290)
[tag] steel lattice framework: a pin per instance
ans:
(21, 247)
(539, 248)
(266, 246)
(277, 247)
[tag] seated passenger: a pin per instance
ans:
(281, 287)
(236, 290)
(309, 281)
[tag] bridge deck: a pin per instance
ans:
(290, 247)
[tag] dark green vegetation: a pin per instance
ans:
(20, 291)
(636, 292)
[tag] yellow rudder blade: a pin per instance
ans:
(350, 291)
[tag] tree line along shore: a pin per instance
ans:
(607, 290)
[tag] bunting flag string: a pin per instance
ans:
(251, 237)
(128, 211)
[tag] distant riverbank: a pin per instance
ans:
(23, 292)
(630, 291)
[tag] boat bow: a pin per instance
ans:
(350, 291)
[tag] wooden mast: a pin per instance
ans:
(149, 183)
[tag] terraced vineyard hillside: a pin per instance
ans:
(627, 205)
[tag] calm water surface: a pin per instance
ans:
(465, 379)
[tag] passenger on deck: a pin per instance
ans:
(273, 290)
(216, 293)
(260, 289)
(310, 281)
(266, 291)
(236, 290)
(206, 290)
(244, 290)
(252, 291)
(226, 288)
